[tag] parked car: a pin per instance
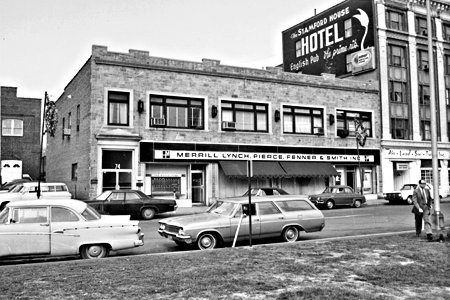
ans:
(266, 191)
(131, 202)
(10, 185)
(28, 191)
(275, 216)
(404, 195)
(63, 227)
(338, 195)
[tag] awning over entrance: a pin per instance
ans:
(278, 169)
(260, 169)
(309, 169)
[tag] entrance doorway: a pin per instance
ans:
(198, 184)
(117, 169)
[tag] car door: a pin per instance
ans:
(349, 195)
(27, 232)
(244, 230)
(114, 204)
(64, 231)
(341, 196)
(133, 203)
(301, 212)
(271, 219)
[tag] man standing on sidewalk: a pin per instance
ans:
(422, 205)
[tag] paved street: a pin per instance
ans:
(340, 222)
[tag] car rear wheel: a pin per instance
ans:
(357, 203)
(94, 251)
(207, 241)
(290, 234)
(329, 204)
(148, 213)
(409, 200)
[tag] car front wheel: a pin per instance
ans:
(357, 203)
(148, 213)
(94, 251)
(290, 234)
(329, 204)
(207, 241)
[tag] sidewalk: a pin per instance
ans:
(371, 199)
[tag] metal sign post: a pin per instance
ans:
(250, 175)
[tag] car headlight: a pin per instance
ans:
(162, 226)
(309, 198)
(181, 231)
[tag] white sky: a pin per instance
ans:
(45, 42)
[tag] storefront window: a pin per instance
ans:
(165, 185)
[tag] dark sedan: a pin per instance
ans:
(131, 202)
(338, 195)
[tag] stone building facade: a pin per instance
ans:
(187, 129)
(21, 132)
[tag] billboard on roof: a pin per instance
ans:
(325, 42)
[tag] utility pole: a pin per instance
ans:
(434, 149)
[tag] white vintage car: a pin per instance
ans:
(63, 227)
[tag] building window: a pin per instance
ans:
(396, 56)
(78, 117)
(348, 63)
(400, 128)
(74, 172)
(244, 116)
(346, 121)
(447, 101)
(397, 91)
(447, 65)
(298, 49)
(118, 108)
(421, 26)
(176, 112)
(427, 175)
(63, 126)
(303, 120)
(396, 20)
(348, 28)
(422, 62)
(425, 112)
(12, 127)
(446, 31)
(69, 121)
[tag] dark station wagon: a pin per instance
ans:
(131, 202)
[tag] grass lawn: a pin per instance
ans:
(391, 267)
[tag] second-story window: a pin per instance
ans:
(176, 112)
(395, 20)
(12, 127)
(396, 56)
(346, 121)
(118, 108)
(303, 120)
(243, 116)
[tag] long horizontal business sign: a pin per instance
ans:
(217, 155)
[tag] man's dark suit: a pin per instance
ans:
(422, 199)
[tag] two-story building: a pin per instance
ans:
(130, 120)
(20, 138)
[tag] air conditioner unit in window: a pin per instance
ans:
(228, 125)
(425, 68)
(157, 122)
(66, 131)
(318, 130)
(425, 32)
(343, 133)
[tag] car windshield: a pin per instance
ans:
(330, 190)
(91, 214)
(18, 188)
(103, 195)
(406, 187)
(222, 208)
(254, 192)
(4, 216)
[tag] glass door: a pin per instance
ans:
(198, 186)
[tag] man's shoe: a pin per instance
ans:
(429, 237)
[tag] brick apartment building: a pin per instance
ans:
(387, 41)
(21, 132)
(130, 120)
